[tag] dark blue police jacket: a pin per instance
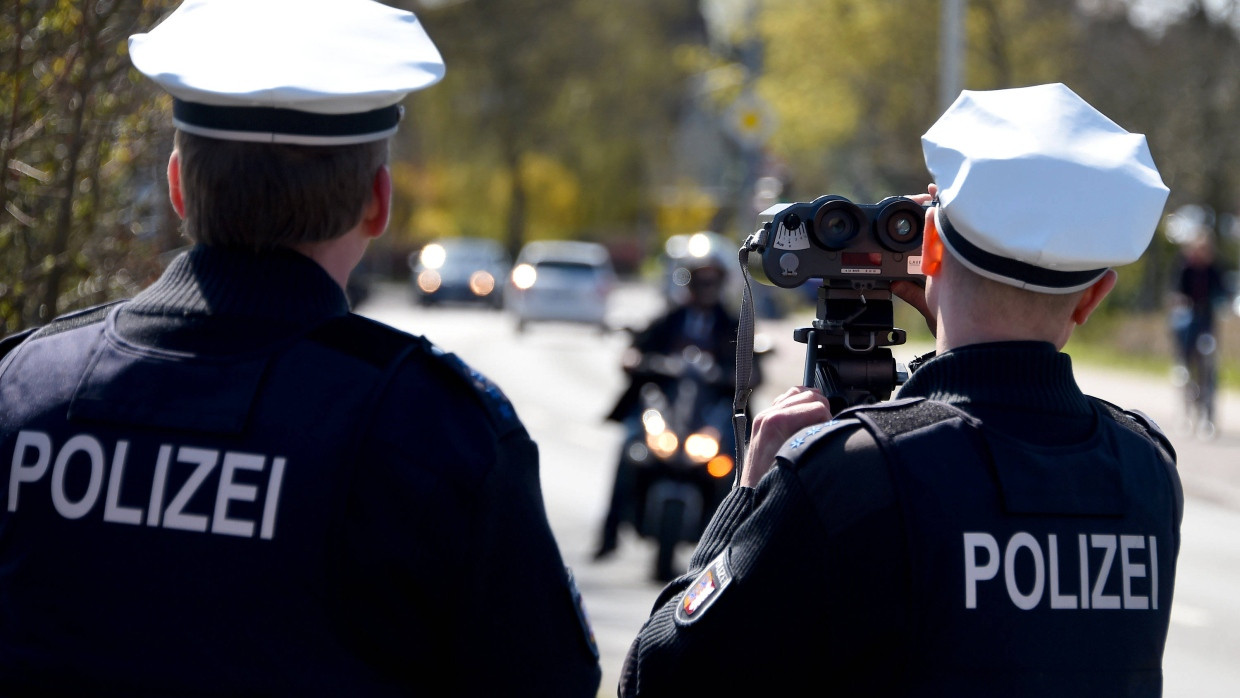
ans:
(993, 532)
(1040, 570)
(232, 486)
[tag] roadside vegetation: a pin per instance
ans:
(619, 122)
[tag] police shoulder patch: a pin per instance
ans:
(704, 591)
(803, 441)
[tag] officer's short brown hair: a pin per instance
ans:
(266, 195)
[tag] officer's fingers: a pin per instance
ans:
(932, 191)
(795, 394)
(911, 293)
(772, 427)
(794, 398)
(915, 295)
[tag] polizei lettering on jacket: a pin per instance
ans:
(1129, 562)
(175, 481)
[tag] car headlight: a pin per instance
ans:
(524, 276)
(429, 281)
(481, 283)
(433, 256)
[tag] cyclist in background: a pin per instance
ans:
(1198, 290)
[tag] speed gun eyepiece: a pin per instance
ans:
(834, 239)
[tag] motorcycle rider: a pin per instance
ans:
(702, 323)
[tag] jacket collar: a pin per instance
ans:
(1032, 374)
(280, 285)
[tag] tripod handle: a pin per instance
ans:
(811, 359)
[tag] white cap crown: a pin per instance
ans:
(1040, 190)
(301, 71)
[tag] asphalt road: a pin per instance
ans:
(563, 379)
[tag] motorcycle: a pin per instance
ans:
(679, 452)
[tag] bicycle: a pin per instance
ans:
(1197, 377)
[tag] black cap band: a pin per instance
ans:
(271, 124)
(1000, 267)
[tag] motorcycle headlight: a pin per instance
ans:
(654, 422)
(719, 466)
(663, 444)
(701, 446)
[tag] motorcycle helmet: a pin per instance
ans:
(698, 266)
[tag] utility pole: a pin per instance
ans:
(951, 52)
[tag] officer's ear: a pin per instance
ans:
(379, 208)
(1092, 297)
(175, 194)
(931, 247)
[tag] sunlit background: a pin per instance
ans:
(618, 122)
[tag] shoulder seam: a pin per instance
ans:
(1138, 423)
(76, 319)
(889, 417)
(12, 341)
(491, 397)
(63, 323)
(388, 348)
(367, 340)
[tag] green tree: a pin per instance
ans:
(552, 118)
(855, 82)
(81, 138)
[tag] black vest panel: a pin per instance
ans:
(1035, 571)
(207, 489)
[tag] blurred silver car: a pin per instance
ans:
(560, 281)
(460, 269)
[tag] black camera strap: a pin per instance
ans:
(744, 357)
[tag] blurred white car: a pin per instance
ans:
(560, 281)
(459, 269)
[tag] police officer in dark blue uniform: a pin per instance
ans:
(992, 531)
(230, 485)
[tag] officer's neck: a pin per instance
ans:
(338, 256)
(950, 337)
(965, 316)
(964, 324)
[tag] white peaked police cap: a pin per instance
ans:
(1039, 190)
(310, 72)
